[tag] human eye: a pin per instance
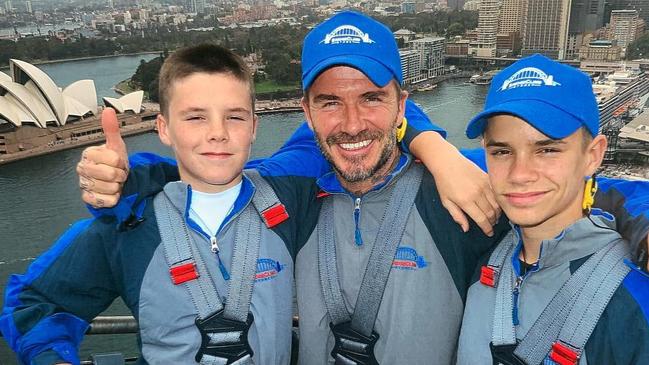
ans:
(496, 152)
(549, 150)
(194, 117)
(238, 118)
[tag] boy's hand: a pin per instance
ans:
(463, 187)
(103, 169)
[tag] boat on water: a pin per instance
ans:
(426, 87)
(483, 79)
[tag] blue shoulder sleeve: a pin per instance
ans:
(33, 325)
(629, 201)
(418, 122)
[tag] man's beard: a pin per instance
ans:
(358, 173)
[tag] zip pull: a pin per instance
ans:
(215, 246)
(215, 249)
(516, 292)
(357, 215)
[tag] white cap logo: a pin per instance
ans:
(527, 77)
(346, 34)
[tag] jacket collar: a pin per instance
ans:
(180, 194)
(578, 240)
(331, 184)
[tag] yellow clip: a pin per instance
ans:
(401, 130)
(589, 194)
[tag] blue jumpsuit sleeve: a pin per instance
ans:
(418, 122)
(47, 310)
(627, 200)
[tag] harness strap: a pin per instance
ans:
(568, 321)
(272, 211)
(377, 271)
(224, 328)
(181, 255)
(391, 230)
(503, 331)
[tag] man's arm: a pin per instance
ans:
(47, 309)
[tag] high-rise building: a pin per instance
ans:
(624, 27)
(586, 16)
(432, 54)
(8, 7)
(510, 16)
(545, 27)
(28, 6)
(195, 6)
(411, 66)
(455, 4)
(488, 20)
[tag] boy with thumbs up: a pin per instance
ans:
(206, 271)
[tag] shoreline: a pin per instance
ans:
(46, 62)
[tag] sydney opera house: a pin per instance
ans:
(35, 112)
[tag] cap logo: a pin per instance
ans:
(346, 34)
(528, 77)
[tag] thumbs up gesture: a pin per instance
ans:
(103, 169)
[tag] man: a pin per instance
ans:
(376, 218)
(540, 131)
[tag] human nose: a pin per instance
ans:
(217, 130)
(353, 121)
(522, 170)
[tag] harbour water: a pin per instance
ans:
(39, 197)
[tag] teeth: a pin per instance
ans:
(355, 146)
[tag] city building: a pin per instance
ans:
(432, 54)
(544, 27)
(600, 50)
(625, 27)
(641, 6)
(458, 47)
(472, 5)
(488, 20)
(195, 6)
(411, 66)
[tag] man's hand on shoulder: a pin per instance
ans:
(463, 187)
(103, 169)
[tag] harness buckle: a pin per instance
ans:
(224, 338)
(274, 215)
(352, 347)
(564, 354)
(489, 275)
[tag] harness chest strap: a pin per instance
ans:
(354, 343)
(565, 325)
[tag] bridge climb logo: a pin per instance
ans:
(407, 258)
(528, 76)
(347, 34)
(267, 269)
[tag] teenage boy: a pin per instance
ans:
(559, 289)
(380, 264)
(203, 273)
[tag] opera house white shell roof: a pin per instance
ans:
(29, 96)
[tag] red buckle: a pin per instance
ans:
(489, 276)
(322, 194)
(183, 273)
(564, 354)
(275, 215)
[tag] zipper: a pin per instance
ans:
(357, 216)
(215, 250)
(516, 292)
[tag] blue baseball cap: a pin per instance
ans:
(554, 98)
(351, 39)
